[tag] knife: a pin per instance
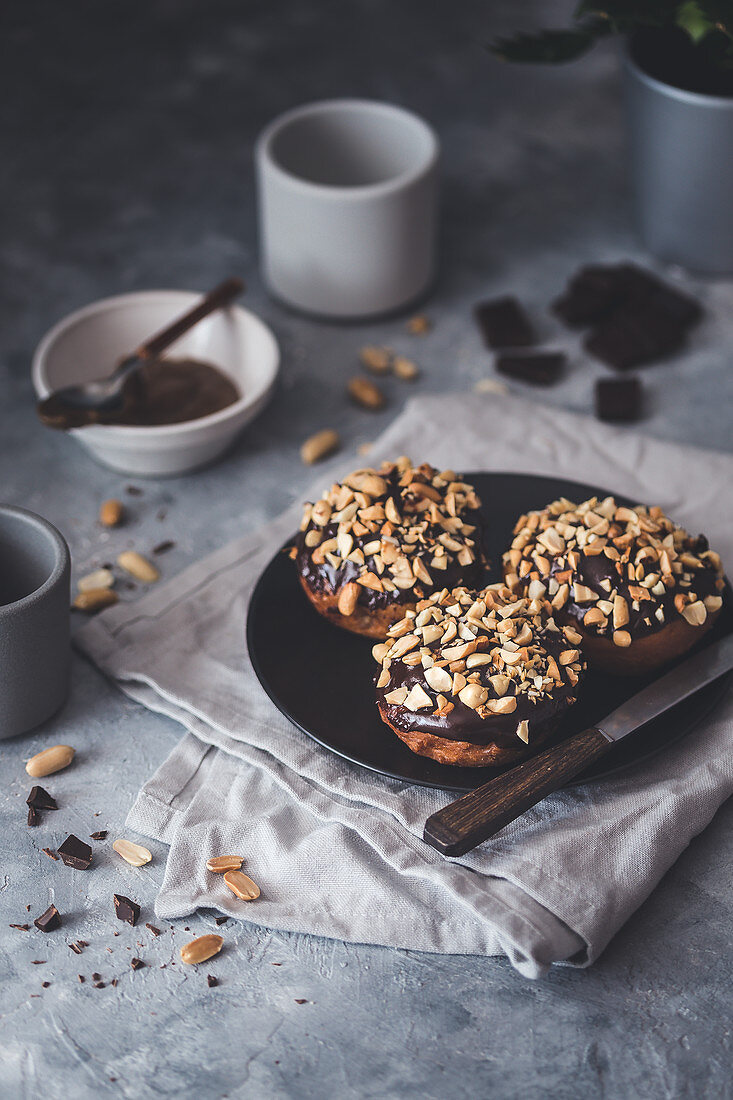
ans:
(476, 816)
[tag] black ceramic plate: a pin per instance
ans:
(321, 677)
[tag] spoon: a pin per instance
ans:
(75, 406)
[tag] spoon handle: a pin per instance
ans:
(220, 296)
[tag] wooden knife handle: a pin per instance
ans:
(476, 816)
(220, 296)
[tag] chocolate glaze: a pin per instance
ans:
(592, 570)
(326, 578)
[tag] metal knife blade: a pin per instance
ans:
(684, 680)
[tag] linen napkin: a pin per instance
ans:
(337, 849)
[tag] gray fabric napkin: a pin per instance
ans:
(336, 849)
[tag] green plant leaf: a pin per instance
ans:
(719, 13)
(693, 22)
(544, 46)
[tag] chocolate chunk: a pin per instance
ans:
(75, 853)
(126, 909)
(163, 547)
(99, 985)
(153, 929)
(504, 323)
(21, 927)
(220, 920)
(114, 984)
(542, 368)
(50, 853)
(136, 964)
(75, 948)
(211, 981)
(48, 921)
(96, 977)
(301, 1001)
(82, 943)
(40, 799)
(34, 818)
(45, 984)
(618, 398)
(101, 835)
(590, 295)
(634, 334)
(81, 978)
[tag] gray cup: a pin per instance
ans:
(34, 620)
(347, 195)
(682, 171)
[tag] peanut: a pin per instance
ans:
(242, 885)
(110, 513)
(49, 761)
(319, 446)
(201, 949)
(405, 369)
(366, 393)
(138, 566)
(221, 864)
(94, 599)
(99, 578)
(134, 854)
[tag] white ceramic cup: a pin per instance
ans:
(347, 193)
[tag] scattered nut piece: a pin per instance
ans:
(405, 369)
(94, 599)
(110, 513)
(695, 613)
(242, 885)
(221, 864)
(366, 393)
(377, 360)
(49, 761)
(490, 385)
(348, 597)
(98, 578)
(320, 446)
(419, 325)
(138, 566)
(523, 731)
(201, 949)
(134, 854)
(621, 638)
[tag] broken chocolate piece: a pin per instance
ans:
(126, 909)
(541, 368)
(164, 546)
(136, 964)
(75, 948)
(81, 978)
(50, 853)
(34, 818)
(590, 295)
(40, 799)
(133, 491)
(21, 927)
(48, 921)
(211, 981)
(220, 920)
(635, 334)
(153, 929)
(45, 984)
(96, 977)
(504, 323)
(99, 985)
(101, 835)
(618, 398)
(75, 853)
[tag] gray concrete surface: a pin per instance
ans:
(127, 136)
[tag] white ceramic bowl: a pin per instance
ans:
(89, 343)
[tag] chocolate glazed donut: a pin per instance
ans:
(379, 541)
(639, 589)
(477, 678)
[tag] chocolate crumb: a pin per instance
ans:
(136, 964)
(22, 927)
(153, 929)
(45, 984)
(96, 977)
(220, 920)
(48, 921)
(211, 981)
(164, 546)
(99, 985)
(100, 835)
(38, 962)
(114, 982)
(81, 978)
(34, 818)
(75, 948)
(133, 491)
(301, 1001)
(82, 943)
(51, 854)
